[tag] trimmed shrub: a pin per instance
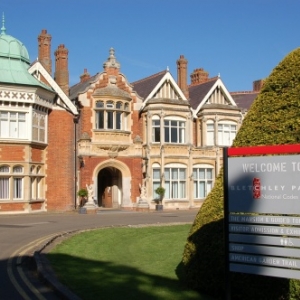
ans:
(273, 119)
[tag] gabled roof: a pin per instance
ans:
(81, 87)
(244, 99)
(159, 87)
(39, 69)
(201, 93)
(146, 85)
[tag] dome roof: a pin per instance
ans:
(10, 47)
(14, 61)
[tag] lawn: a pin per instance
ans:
(124, 263)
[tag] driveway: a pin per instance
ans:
(21, 235)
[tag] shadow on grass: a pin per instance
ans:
(205, 270)
(104, 280)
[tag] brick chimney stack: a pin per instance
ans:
(199, 76)
(85, 76)
(61, 75)
(44, 53)
(182, 75)
(257, 85)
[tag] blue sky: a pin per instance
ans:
(242, 40)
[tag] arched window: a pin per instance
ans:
(203, 180)
(175, 181)
(18, 182)
(4, 182)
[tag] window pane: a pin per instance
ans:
(17, 188)
(209, 173)
(174, 190)
(119, 105)
(195, 187)
(110, 120)
(182, 174)
(13, 131)
(181, 189)
(156, 174)
(4, 188)
(118, 120)
(100, 120)
(99, 104)
(202, 173)
(167, 174)
(4, 132)
(4, 169)
(167, 135)
(201, 189)
(174, 174)
(203, 183)
(18, 169)
(174, 138)
(167, 192)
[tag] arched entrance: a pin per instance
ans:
(109, 182)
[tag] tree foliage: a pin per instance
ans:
(273, 119)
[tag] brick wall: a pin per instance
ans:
(37, 155)
(12, 152)
(60, 181)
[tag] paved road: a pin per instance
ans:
(21, 235)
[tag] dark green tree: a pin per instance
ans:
(273, 119)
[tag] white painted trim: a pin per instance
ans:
(166, 77)
(221, 85)
(37, 67)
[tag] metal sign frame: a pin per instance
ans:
(261, 197)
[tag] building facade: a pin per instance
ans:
(120, 140)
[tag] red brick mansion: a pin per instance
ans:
(119, 139)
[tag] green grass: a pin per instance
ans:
(124, 263)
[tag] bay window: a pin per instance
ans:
(226, 133)
(111, 115)
(174, 131)
(13, 125)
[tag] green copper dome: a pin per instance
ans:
(14, 61)
(10, 47)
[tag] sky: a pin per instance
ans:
(240, 40)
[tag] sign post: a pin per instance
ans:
(262, 211)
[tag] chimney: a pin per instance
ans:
(257, 85)
(182, 75)
(85, 76)
(199, 76)
(61, 75)
(44, 56)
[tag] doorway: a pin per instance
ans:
(109, 183)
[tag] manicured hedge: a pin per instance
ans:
(273, 119)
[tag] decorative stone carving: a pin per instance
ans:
(85, 136)
(137, 140)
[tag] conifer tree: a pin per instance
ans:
(273, 119)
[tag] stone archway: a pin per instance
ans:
(113, 184)
(109, 183)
